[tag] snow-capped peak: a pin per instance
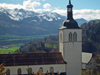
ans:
(49, 16)
(20, 14)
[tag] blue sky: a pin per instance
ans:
(78, 4)
(88, 9)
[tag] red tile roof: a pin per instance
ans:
(31, 59)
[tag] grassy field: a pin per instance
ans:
(14, 42)
(8, 50)
(6, 40)
(10, 38)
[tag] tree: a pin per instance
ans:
(2, 69)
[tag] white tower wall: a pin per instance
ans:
(71, 50)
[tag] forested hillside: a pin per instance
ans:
(91, 36)
(48, 44)
(91, 40)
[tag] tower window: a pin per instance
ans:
(70, 37)
(19, 71)
(74, 36)
(41, 70)
(30, 70)
(8, 72)
(51, 70)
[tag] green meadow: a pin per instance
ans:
(6, 40)
(14, 42)
(8, 50)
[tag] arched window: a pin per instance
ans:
(74, 36)
(70, 37)
(51, 70)
(19, 71)
(30, 70)
(8, 72)
(41, 70)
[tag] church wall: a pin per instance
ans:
(71, 51)
(60, 41)
(67, 31)
(35, 68)
(73, 58)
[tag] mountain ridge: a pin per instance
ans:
(27, 23)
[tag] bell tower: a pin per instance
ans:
(70, 43)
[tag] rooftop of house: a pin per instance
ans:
(86, 57)
(32, 59)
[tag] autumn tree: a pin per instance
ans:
(2, 69)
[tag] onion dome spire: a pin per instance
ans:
(70, 23)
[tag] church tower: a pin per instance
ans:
(70, 43)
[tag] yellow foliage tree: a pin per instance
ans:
(38, 73)
(2, 69)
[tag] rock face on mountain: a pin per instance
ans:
(91, 36)
(23, 22)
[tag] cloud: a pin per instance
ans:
(38, 10)
(87, 14)
(27, 4)
(60, 11)
(46, 10)
(46, 6)
(10, 6)
(31, 4)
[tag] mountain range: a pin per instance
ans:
(26, 23)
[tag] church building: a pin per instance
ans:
(70, 43)
(68, 60)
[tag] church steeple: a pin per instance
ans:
(70, 23)
(69, 10)
(69, 2)
(70, 43)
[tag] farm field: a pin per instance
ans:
(9, 40)
(11, 43)
(8, 50)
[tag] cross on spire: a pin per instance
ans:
(70, 5)
(69, 10)
(69, 1)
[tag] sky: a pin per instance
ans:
(87, 9)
